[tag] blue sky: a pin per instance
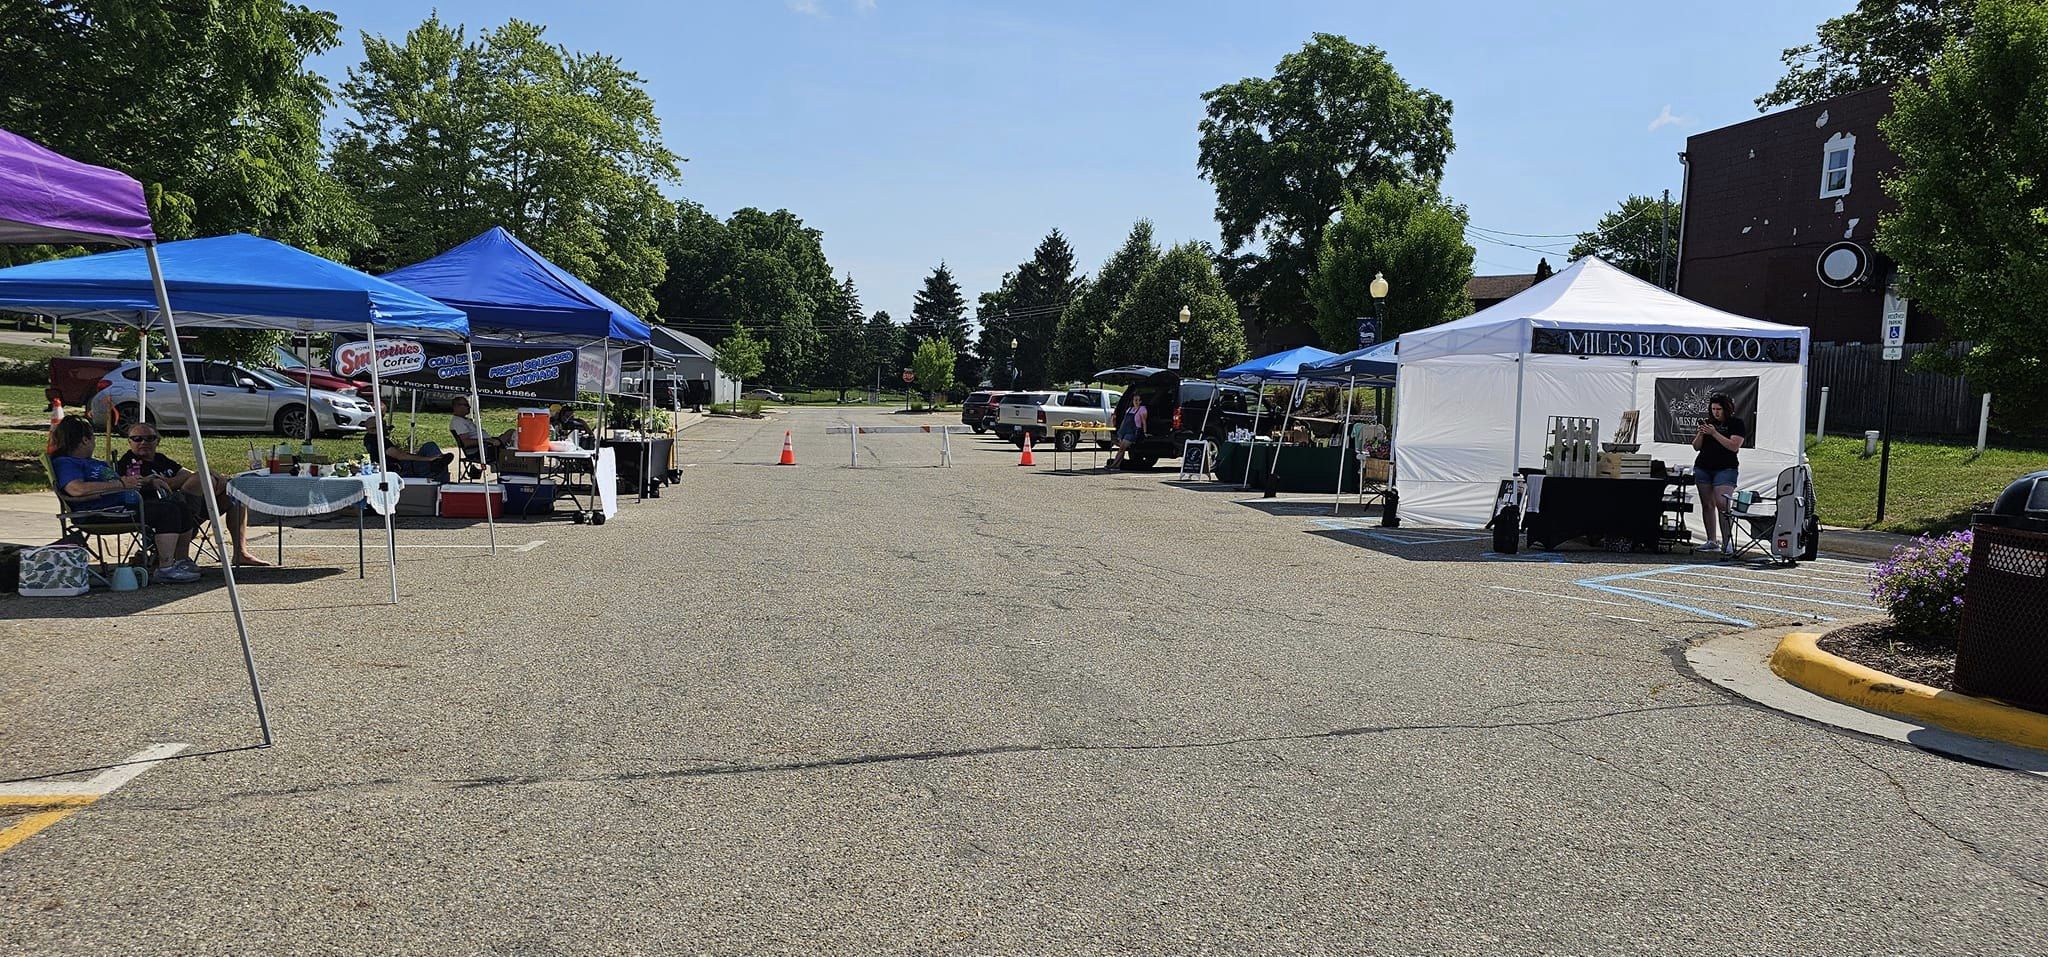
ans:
(912, 131)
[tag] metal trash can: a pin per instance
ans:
(2002, 651)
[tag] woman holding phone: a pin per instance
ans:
(1720, 435)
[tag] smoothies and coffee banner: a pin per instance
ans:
(515, 372)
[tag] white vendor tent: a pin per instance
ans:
(1476, 394)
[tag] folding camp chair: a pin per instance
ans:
(1754, 520)
(113, 536)
(1777, 526)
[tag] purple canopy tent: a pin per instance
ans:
(48, 198)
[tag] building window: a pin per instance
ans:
(1838, 160)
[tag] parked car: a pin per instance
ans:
(231, 398)
(766, 395)
(1069, 408)
(1178, 410)
(1024, 404)
(289, 366)
(77, 378)
(979, 409)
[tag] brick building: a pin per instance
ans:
(1767, 199)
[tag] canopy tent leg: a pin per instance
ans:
(1258, 406)
(476, 411)
(412, 428)
(142, 397)
(1273, 468)
(384, 462)
(308, 337)
(1515, 463)
(227, 568)
(1343, 446)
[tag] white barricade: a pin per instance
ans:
(854, 432)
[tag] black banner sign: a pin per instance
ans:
(539, 375)
(1682, 405)
(1663, 345)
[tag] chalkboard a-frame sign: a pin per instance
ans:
(1194, 455)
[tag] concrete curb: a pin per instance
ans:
(1799, 660)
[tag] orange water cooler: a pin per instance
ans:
(533, 430)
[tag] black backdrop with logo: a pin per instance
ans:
(1682, 405)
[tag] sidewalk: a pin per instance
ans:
(1859, 542)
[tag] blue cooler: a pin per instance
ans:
(528, 495)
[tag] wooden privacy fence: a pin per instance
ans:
(1925, 404)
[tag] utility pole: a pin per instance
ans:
(1663, 239)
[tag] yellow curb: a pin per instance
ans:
(1799, 660)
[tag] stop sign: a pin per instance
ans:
(907, 377)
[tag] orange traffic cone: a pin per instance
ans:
(1025, 459)
(788, 450)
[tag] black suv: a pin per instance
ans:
(1170, 422)
(979, 410)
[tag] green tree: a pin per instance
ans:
(209, 104)
(993, 361)
(450, 136)
(1283, 151)
(1881, 41)
(1970, 234)
(932, 364)
(1027, 310)
(742, 356)
(1150, 316)
(698, 253)
(884, 347)
(1637, 237)
(1413, 237)
(847, 362)
(1085, 320)
(938, 310)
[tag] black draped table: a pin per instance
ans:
(1562, 509)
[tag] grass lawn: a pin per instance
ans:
(1932, 487)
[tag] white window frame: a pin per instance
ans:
(1844, 144)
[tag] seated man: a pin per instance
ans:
(93, 485)
(428, 463)
(142, 458)
(467, 431)
(564, 421)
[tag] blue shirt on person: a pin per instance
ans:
(73, 468)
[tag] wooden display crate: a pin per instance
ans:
(1623, 465)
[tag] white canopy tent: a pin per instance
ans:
(1477, 393)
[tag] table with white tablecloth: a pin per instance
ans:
(297, 496)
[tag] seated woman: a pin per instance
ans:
(93, 485)
(467, 432)
(143, 458)
(428, 463)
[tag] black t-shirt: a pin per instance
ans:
(1714, 455)
(157, 464)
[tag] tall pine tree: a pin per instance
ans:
(1084, 321)
(939, 311)
(846, 360)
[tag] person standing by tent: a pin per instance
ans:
(1720, 435)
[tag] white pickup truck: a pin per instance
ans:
(1084, 411)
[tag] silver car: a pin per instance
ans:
(231, 398)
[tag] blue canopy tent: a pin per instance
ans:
(1278, 367)
(237, 282)
(512, 292)
(1374, 367)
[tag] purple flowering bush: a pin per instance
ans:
(1921, 584)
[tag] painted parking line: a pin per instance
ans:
(47, 802)
(1730, 593)
(529, 546)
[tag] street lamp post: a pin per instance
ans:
(1013, 362)
(1390, 504)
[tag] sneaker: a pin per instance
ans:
(1711, 546)
(176, 573)
(188, 565)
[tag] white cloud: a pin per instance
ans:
(1667, 118)
(808, 8)
(864, 6)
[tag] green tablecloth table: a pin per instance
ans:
(1303, 468)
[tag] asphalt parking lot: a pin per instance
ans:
(978, 709)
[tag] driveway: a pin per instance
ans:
(978, 709)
